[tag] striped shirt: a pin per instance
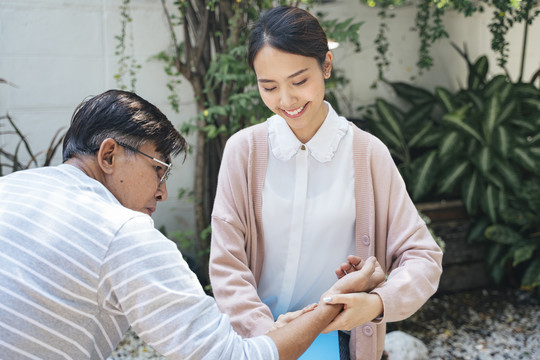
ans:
(77, 269)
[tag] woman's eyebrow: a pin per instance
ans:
(288, 77)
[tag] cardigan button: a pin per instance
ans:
(367, 330)
(365, 240)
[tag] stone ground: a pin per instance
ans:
(480, 324)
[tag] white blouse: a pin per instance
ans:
(308, 212)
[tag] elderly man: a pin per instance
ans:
(81, 260)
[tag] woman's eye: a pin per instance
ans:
(300, 82)
(268, 89)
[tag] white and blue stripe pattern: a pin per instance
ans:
(77, 269)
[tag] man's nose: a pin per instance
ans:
(161, 192)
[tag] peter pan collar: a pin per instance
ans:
(322, 146)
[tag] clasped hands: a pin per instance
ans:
(355, 279)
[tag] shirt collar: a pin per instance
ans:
(322, 146)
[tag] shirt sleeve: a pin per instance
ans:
(233, 283)
(145, 278)
(413, 258)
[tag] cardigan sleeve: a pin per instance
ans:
(233, 282)
(412, 257)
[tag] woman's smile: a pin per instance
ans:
(295, 113)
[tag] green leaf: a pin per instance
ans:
(484, 160)
(489, 202)
(534, 139)
(450, 143)
(502, 201)
(531, 278)
(503, 234)
(523, 253)
(386, 135)
(412, 93)
(420, 136)
(470, 189)
(418, 114)
(431, 139)
(524, 158)
(526, 90)
(508, 173)
(495, 85)
(477, 73)
(388, 115)
(452, 176)
(523, 124)
(496, 258)
(445, 97)
(476, 231)
(505, 91)
(535, 151)
(425, 173)
(490, 119)
(457, 121)
(533, 102)
(503, 141)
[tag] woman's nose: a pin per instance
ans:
(287, 99)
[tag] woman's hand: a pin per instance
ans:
(284, 319)
(358, 309)
(352, 277)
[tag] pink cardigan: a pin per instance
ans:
(387, 226)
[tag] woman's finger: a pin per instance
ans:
(344, 299)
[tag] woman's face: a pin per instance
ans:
(292, 86)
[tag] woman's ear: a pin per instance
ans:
(327, 65)
(106, 155)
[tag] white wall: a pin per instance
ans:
(58, 52)
(449, 68)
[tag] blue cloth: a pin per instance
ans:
(325, 347)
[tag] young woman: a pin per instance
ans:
(301, 191)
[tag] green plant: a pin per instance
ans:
(11, 161)
(209, 46)
(480, 144)
(437, 238)
(515, 241)
(481, 137)
(127, 65)
(430, 26)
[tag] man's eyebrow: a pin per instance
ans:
(288, 77)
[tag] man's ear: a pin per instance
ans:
(106, 155)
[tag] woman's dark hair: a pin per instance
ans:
(288, 29)
(123, 116)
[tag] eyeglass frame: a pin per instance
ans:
(168, 166)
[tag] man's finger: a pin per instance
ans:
(369, 267)
(355, 261)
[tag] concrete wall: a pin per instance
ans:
(58, 52)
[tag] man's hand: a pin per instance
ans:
(358, 275)
(284, 319)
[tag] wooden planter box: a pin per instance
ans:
(463, 264)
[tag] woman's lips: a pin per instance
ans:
(296, 112)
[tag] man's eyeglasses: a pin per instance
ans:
(168, 167)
